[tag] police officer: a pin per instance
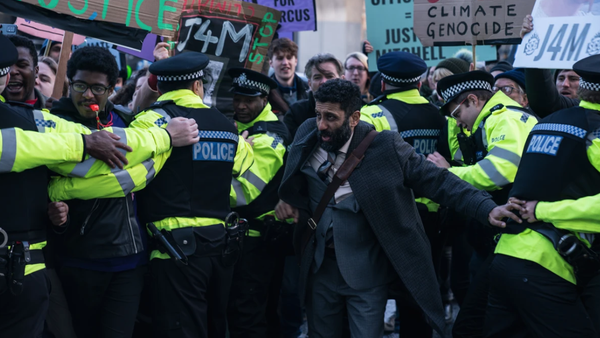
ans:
(30, 139)
(258, 273)
(188, 203)
(492, 153)
(401, 108)
(542, 285)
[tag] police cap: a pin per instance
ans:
(8, 56)
(452, 86)
(589, 70)
(401, 68)
(181, 67)
(250, 83)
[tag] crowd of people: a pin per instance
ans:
(135, 209)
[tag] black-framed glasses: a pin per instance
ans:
(353, 68)
(82, 87)
(506, 89)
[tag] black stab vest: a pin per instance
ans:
(555, 165)
(420, 125)
(24, 199)
(269, 197)
(195, 181)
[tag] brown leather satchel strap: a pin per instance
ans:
(339, 178)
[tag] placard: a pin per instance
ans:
(561, 36)
(390, 28)
(296, 15)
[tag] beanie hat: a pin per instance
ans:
(516, 75)
(455, 65)
(502, 66)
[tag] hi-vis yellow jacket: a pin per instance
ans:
(505, 133)
(269, 151)
(243, 159)
(578, 216)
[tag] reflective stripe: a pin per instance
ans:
(494, 175)
(240, 199)
(254, 180)
(458, 155)
(9, 150)
(125, 180)
(166, 118)
(121, 133)
(506, 155)
(82, 168)
(390, 118)
(40, 121)
(149, 164)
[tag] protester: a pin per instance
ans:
(319, 69)
(357, 70)
(356, 252)
(46, 76)
(54, 52)
(512, 83)
(500, 67)
(283, 57)
(23, 73)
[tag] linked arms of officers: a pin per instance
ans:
(119, 183)
(581, 215)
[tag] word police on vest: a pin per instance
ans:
(544, 144)
(214, 151)
(425, 146)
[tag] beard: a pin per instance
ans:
(338, 137)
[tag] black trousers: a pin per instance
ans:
(23, 315)
(191, 300)
(252, 310)
(471, 318)
(413, 322)
(527, 300)
(103, 304)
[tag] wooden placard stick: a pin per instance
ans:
(61, 74)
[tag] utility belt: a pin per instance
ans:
(272, 232)
(585, 261)
(213, 240)
(13, 259)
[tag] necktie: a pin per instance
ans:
(323, 171)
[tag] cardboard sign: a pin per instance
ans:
(157, 16)
(147, 51)
(296, 15)
(390, 28)
(456, 22)
(45, 32)
(561, 35)
(232, 34)
(105, 30)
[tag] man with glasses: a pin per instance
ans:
(491, 154)
(512, 83)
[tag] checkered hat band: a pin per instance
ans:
(561, 128)
(589, 85)
(254, 85)
(464, 86)
(4, 71)
(173, 78)
(400, 81)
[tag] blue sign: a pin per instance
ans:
(544, 144)
(390, 29)
(214, 151)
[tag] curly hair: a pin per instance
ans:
(344, 92)
(94, 59)
(21, 41)
(592, 96)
